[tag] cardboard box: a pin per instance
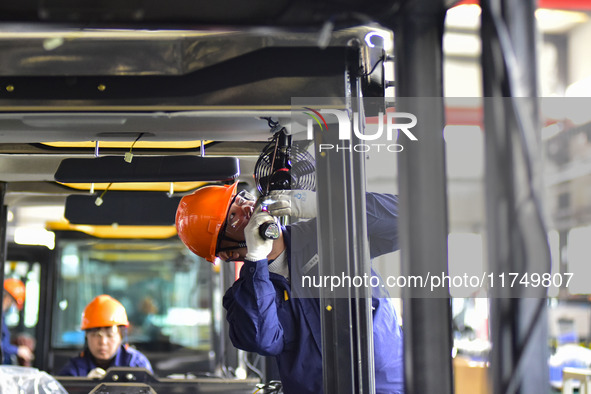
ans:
(470, 377)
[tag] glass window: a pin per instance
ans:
(165, 289)
(29, 273)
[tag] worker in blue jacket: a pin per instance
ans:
(104, 321)
(262, 314)
(14, 294)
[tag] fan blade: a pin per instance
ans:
(262, 182)
(302, 168)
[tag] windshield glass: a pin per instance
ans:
(165, 289)
(24, 321)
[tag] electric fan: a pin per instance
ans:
(283, 166)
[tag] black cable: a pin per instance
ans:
(252, 367)
(380, 60)
(272, 124)
(508, 55)
(137, 139)
(510, 64)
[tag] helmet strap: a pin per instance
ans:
(224, 237)
(241, 244)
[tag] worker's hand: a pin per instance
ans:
(96, 373)
(23, 339)
(298, 203)
(25, 353)
(257, 247)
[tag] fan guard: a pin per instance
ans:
(293, 167)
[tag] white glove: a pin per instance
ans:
(96, 373)
(257, 247)
(25, 353)
(298, 203)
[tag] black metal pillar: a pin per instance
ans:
(347, 336)
(562, 261)
(516, 233)
(418, 32)
(3, 248)
(47, 259)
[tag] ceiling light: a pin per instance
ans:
(464, 16)
(31, 235)
(461, 44)
(558, 21)
(581, 88)
(550, 21)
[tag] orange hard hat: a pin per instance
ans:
(103, 311)
(16, 288)
(200, 217)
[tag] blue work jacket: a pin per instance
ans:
(8, 349)
(125, 357)
(266, 319)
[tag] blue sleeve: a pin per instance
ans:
(382, 228)
(68, 370)
(141, 361)
(128, 356)
(382, 223)
(76, 366)
(8, 349)
(252, 311)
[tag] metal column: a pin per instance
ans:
(3, 248)
(347, 336)
(516, 233)
(562, 259)
(418, 32)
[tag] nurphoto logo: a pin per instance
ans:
(395, 122)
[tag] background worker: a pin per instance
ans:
(105, 323)
(14, 294)
(262, 314)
